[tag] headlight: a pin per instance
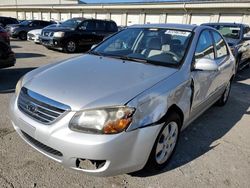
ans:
(109, 120)
(19, 86)
(59, 34)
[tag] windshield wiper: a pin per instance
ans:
(130, 58)
(94, 53)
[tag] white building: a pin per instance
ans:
(195, 12)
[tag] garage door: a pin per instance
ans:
(65, 16)
(45, 16)
(36, 15)
(20, 16)
(88, 15)
(198, 19)
(101, 16)
(55, 16)
(152, 18)
(237, 18)
(133, 19)
(28, 16)
(76, 15)
(117, 18)
(174, 18)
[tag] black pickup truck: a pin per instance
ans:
(77, 32)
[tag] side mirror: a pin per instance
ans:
(93, 46)
(206, 65)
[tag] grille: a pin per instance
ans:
(47, 34)
(30, 35)
(40, 108)
(42, 146)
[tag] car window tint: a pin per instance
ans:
(204, 48)
(91, 25)
(111, 26)
(35, 23)
(100, 26)
(221, 48)
(44, 24)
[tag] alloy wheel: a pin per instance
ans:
(166, 142)
(71, 46)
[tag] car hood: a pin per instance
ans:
(35, 31)
(232, 42)
(58, 28)
(91, 81)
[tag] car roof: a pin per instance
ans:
(226, 24)
(82, 19)
(187, 27)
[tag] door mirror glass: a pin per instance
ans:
(205, 64)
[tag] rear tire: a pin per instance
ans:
(23, 35)
(224, 98)
(165, 143)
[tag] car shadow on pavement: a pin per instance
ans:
(10, 77)
(15, 46)
(29, 55)
(204, 133)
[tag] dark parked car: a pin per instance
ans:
(77, 32)
(238, 38)
(7, 20)
(20, 30)
(7, 56)
(4, 36)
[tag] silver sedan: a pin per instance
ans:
(121, 107)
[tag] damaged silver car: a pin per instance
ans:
(120, 107)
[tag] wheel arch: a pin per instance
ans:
(174, 109)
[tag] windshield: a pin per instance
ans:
(232, 32)
(26, 22)
(72, 23)
(150, 45)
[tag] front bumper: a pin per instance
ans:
(51, 42)
(122, 153)
(33, 38)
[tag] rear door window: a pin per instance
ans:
(44, 24)
(35, 24)
(111, 26)
(91, 25)
(100, 25)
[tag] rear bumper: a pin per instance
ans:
(122, 153)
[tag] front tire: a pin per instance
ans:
(23, 36)
(165, 143)
(70, 46)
